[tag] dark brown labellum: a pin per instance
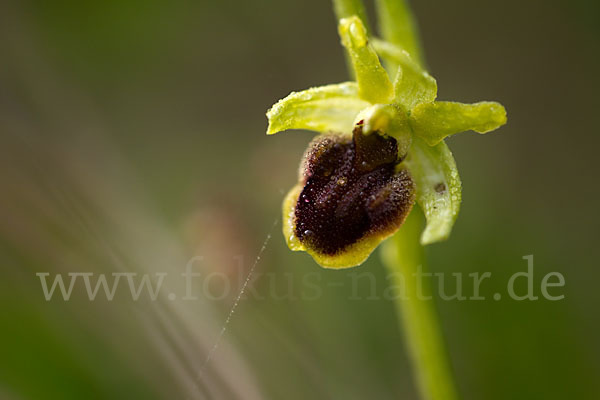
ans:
(352, 190)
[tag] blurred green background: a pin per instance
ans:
(132, 138)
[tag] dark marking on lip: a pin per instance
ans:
(351, 190)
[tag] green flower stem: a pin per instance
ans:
(398, 26)
(348, 8)
(403, 256)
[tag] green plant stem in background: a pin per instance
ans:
(397, 25)
(403, 253)
(403, 256)
(348, 8)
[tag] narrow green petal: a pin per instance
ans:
(321, 109)
(374, 84)
(435, 121)
(413, 85)
(438, 187)
(398, 26)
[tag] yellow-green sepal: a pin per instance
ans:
(321, 109)
(438, 186)
(435, 121)
(374, 84)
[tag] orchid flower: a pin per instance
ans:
(380, 149)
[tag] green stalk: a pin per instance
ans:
(402, 254)
(397, 25)
(348, 8)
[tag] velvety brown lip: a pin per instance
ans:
(351, 190)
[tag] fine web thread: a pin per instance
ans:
(212, 351)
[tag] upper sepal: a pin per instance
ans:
(374, 84)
